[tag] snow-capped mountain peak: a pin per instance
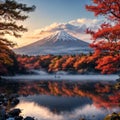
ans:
(58, 43)
(64, 36)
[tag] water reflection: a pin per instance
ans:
(44, 112)
(65, 100)
(58, 103)
(102, 94)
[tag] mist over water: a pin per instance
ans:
(61, 75)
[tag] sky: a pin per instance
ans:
(52, 15)
(50, 11)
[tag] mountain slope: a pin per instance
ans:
(57, 43)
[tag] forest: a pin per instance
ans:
(82, 64)
(106, 42)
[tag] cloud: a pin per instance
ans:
(76, 28)
(44, 113)
(88, 22)
(78, 21)
(61, 26)
(73, 29)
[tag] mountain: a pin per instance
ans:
(58, 43)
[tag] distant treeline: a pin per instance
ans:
(10, 63)
(51, 63)
(71, 63)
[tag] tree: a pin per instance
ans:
(106, 40)
(11, 12)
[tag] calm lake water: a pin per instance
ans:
(65, 100)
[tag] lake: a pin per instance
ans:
(65, 99)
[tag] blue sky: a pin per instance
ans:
(50, 11)
(52, 15)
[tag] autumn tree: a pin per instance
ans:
(106, 40)
(68, 64)
(85, 64)
(11, 13)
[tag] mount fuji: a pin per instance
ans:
(58, 43)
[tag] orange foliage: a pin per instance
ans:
(102, 94)
(68, 64)
(109, 64)
(106, 40)
(109, 8)
(77, 63)
(7, 59)
(102, 88)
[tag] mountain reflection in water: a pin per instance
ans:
(65, 100)
(58, 103)
(70, 108)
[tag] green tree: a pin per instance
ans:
(11, 12)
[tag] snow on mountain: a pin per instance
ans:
(58, 43)
(63, 36)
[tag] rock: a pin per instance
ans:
(10, 118)
(118, 80)
(0, 103)
(14, 112)
(13, 96)
(19, 118)
(15, 102)
(115, 116)
(2, 112)
(29, 118)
